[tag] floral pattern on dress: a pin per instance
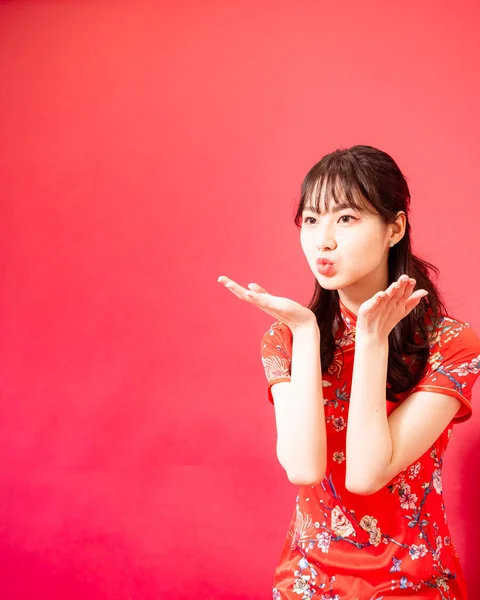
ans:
(397, 538)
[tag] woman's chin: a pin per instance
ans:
(328, 283)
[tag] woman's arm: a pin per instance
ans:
(369, 445)
(369, 442)
(299, 411)
(378, 448)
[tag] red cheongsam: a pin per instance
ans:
(394, 543)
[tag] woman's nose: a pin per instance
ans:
(325, 239)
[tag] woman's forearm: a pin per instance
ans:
(302, 437)
(369, 443)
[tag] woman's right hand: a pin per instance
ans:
(288, 311)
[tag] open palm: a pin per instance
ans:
(282, 309)
(379, 315)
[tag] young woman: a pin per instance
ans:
(367, 383)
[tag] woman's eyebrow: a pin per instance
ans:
(337, 208)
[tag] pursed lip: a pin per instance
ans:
(324, 261)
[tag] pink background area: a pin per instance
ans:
(147, 148)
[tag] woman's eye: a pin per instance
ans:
(312, 220)
(347, 217)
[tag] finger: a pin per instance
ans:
(235, 288)
(375, 302)
(250, 296)
(396, 292)
(407, 290)
(399, 287)
(257, 288)
(230, 283)
(265, 302)
(261, 299)
(225, 280)
(383, 298)
(393, 293)
(414, 300)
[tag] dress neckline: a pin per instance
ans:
(347, 315)
(345, 327)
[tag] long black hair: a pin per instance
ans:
(364, 173)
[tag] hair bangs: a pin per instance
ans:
(334, 185)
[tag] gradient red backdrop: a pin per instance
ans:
(146, 149)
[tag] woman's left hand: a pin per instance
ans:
(379, 315)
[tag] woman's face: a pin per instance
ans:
(356, 242)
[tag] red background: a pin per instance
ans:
(146, 149)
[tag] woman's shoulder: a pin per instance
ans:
(276, 353)
(278, 328)
(453, 364)
(449, 331)
(278, 335)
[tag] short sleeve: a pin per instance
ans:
(453, 365)
(276, 354)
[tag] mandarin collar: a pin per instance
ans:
(348, 317)
(345, 331)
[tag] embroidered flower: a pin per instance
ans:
(339, 457)
(340, 524)
(301, 586)
(276, 594)
(442, 582)
(323, 543)
(337, 364)
(375, 537)
(464, 369)
(339, 423)
(369, 524)
(407, 498)
(417, 551)
(437, 481)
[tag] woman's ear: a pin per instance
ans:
(397, 229)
